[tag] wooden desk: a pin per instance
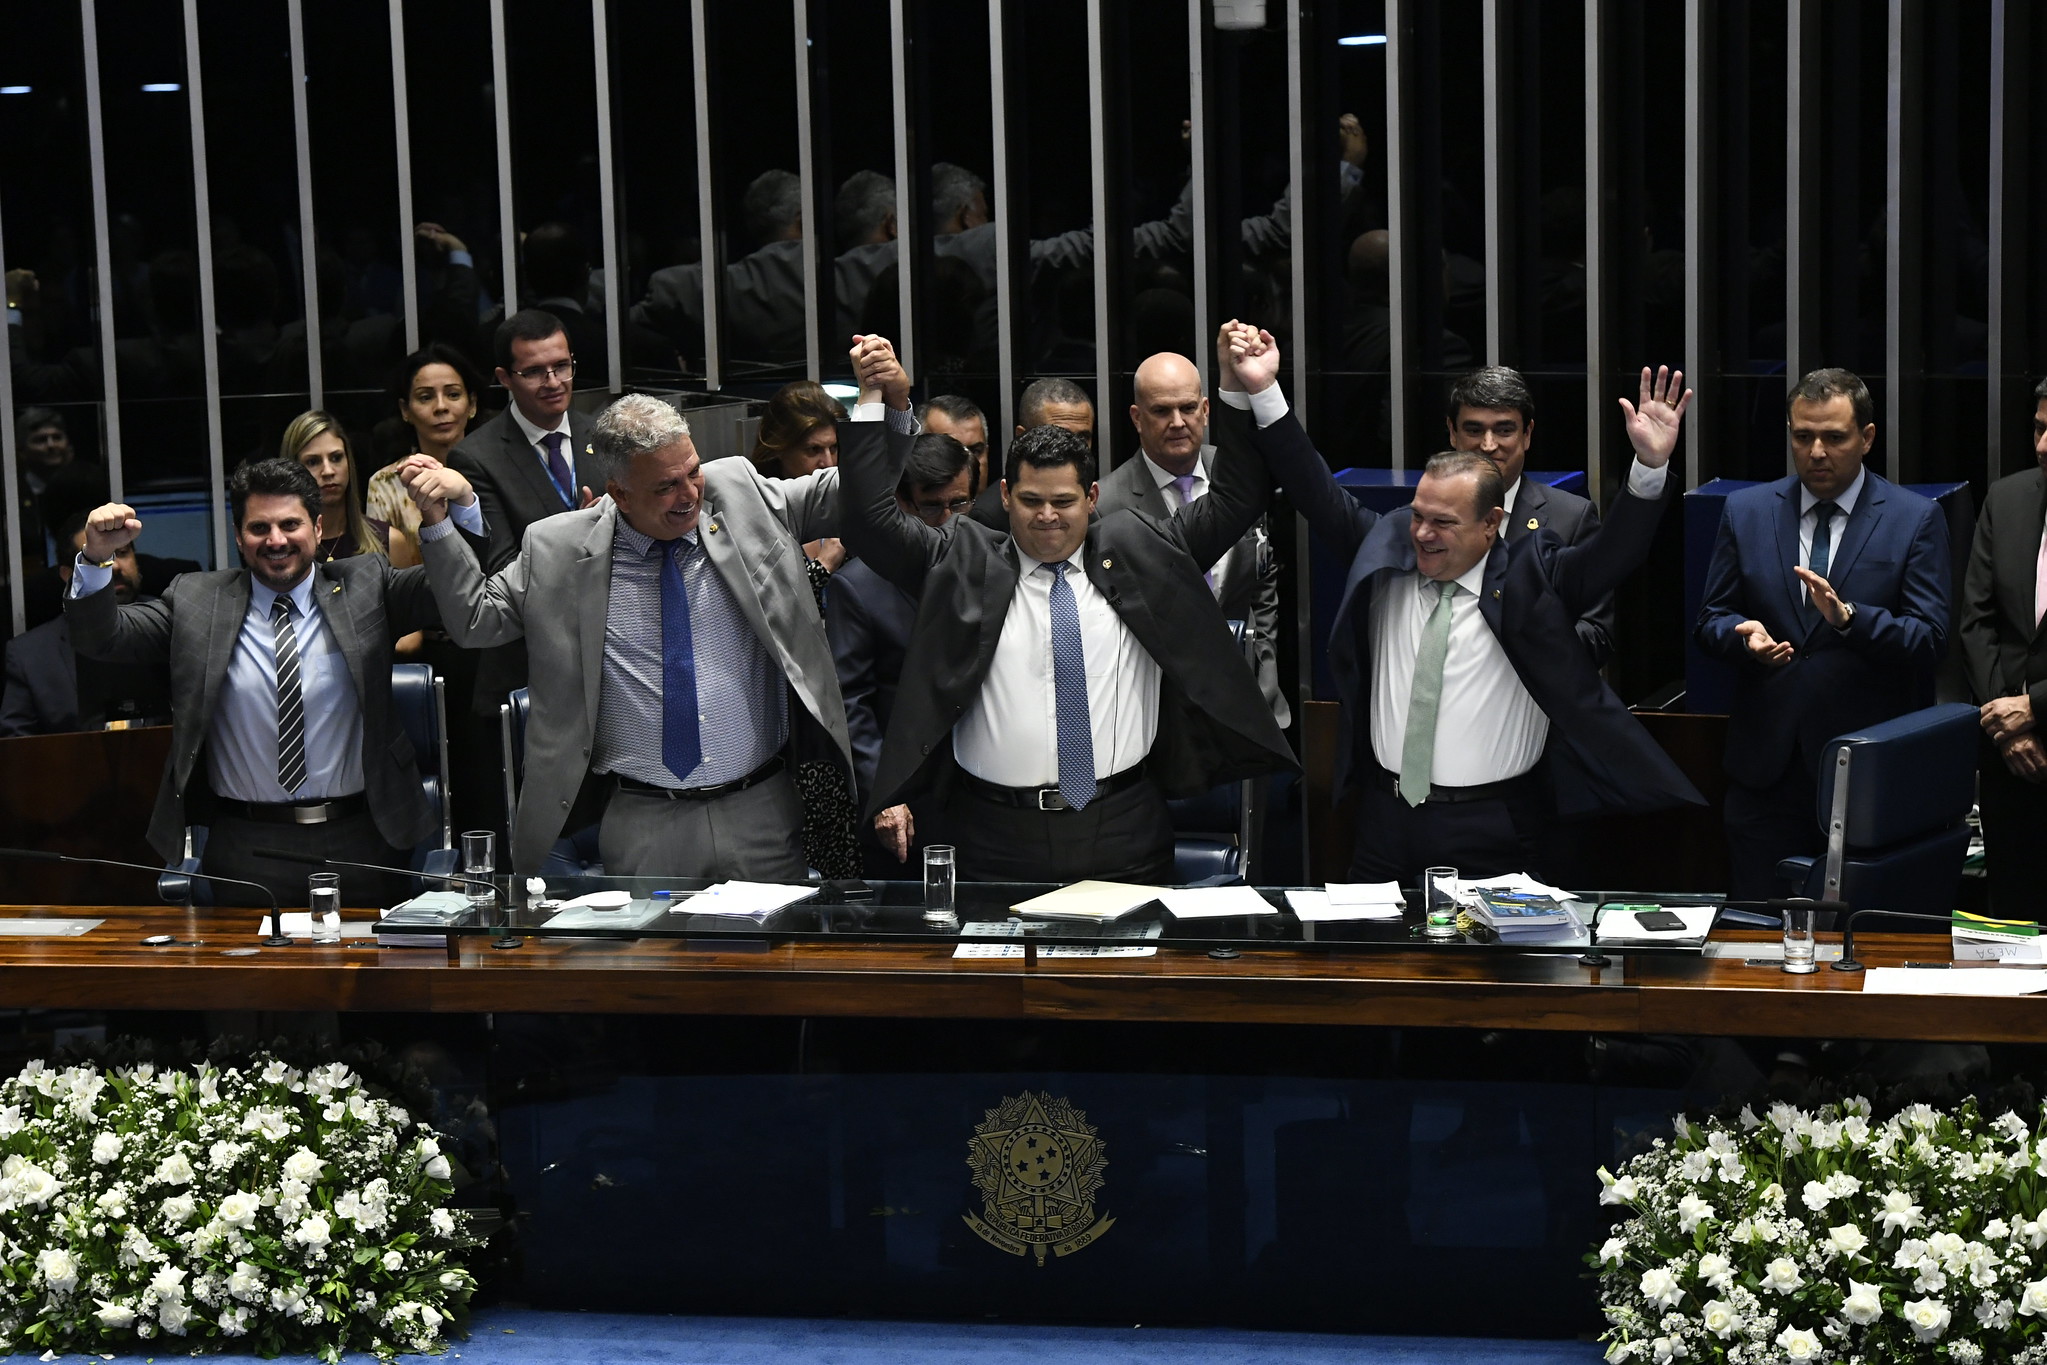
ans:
(108, 969)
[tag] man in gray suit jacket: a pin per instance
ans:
(669, 625)
(1171, 470)
(282, 730)
(1492, 412)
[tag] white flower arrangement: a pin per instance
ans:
(292, 1209)
(1825, 1236)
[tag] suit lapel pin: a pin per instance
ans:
(1496, 594)
(1534, 525)
(335, 588)
(1108, 563)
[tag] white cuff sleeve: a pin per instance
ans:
(1236, 398)
(87, 577)
(869, 412)
(1268, 406)
(468, 516)
(1647, 483)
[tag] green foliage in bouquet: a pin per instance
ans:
(1828, 1236)
(188, 1205)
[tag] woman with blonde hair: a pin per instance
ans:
(318, 441)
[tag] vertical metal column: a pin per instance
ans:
(1497, 266)
(1902, 305)
(1698, 236)
(1006, 302)
(2010, 140)
(1197, 155)
(501, 93)
(1400, 63)
(1098, 184)
(607, 194)
(806, 174)
(10, 472)
(309, 253)
(1596, 268)
(1298, 171)
(711, 253)
(906, 181)
(103, 264)
(1803, 151)
(209, 338)
(401, 118)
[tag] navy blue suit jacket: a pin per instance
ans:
(1536, 588)
(1891, 561)
(868, 620)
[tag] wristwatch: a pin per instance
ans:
(1848, 624)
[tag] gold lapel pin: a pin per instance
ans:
(1534, 525)
(1496, 594)
(1108, 563)
(335, 588)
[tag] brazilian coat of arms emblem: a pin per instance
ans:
(1038, 1163)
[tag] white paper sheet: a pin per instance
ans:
(747, 900)
(1366, 893)
(1954, 980)
(1016, 950)
(1215, 902)
(1090, 900)
(299, 924)
(1620, 927)
(1516, 881)
(1311, 907)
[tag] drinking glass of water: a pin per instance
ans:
(480, 860)
(1439, 902)
(938, 885)
(1798, 937)
(323, 899)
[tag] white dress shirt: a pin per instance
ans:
(1488, 728)
(533, 437)
(1807, 522)
(1010, 735)
(1513, 491)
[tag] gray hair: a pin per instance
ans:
(634, 425)
(774, 203)
(863, 204)
(952, 189)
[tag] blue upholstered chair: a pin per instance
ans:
(1212, 831)
(420, 700)
(1894, 801)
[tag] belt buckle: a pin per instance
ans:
(310, 814)
(1050, 799)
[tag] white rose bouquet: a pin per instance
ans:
(1826, 1236)
(291, 1208)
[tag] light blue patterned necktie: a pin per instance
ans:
(1069, 687)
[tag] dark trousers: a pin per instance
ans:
(1509, 832)
(1766, 825)
(2014, 838)
(231, 842)
(1126, 836)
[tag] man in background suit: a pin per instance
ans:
(523, 464)
(670, 624)
(1052, 401)
(869, 621)
(1468, 727)
(763, 291)
(1171, 471)
(50, 690)
(2004, 650)
(1492, 411)
(1064, 677)
(283, 735)
(1828, 591)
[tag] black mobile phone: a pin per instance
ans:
(1659, 920)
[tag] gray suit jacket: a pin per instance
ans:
(1246, 579)
(1571, 519)
(369, 606)
(2003, 649)
(753, 530)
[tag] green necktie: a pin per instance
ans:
(1418, 749)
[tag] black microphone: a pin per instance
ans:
(1848, 962)
(276, 939)
(278, 855)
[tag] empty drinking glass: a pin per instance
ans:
(1439, 902)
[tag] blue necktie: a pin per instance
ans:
(1822, 539)
(1069, 688)
(682, 748)
(558, 468)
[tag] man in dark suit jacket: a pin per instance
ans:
(283, 731)
(869, 621)
(1062, 680)
(523, 465)
(1829, 591)
(2004, 650)
(1171, 470)
(1492, 411)
(1465, 734)
(50, 690)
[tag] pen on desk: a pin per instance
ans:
(1938, 966)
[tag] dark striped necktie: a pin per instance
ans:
(291, 709)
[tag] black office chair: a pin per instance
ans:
(1212, 832)
(574, 854)
(420, 701)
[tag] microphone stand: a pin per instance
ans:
(277, 938)
(312, 860)
(1848, 962)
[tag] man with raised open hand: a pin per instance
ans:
(1472, 714)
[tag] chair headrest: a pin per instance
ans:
(1906, 777)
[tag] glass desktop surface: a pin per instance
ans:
(893, 912)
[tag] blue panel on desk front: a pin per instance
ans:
(1383, 491)
(1709, 682)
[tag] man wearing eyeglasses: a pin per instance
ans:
(1171, 471)
(869, 621)
(523, 465)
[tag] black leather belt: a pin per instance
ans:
(752, 779)
(1047, 798)
(1483, 791)
(296, 812)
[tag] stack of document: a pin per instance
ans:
(1522, 917)
(1619, 926)
(1215, 902)
(1514, 881)
(754, 901)
(428, 910)
(1091, 901)
(1347, 901)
